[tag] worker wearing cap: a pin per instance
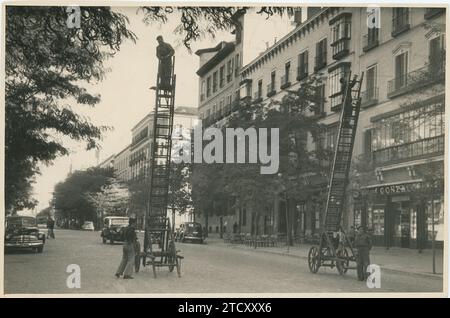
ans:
(363, 244)
(164, 52)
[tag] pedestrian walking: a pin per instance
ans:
(50, 228)
(128, 252)
(363, 244)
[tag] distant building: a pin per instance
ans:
(108, 163)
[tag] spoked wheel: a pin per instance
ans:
(172, 256)
(314, 259)
(342, 265)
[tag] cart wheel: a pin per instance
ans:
(314, 259)
(342, 266)
(172, 256)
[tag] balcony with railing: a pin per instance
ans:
(423, 148)
(320, 61)
(341, 48)
(400, 22)
(408, 82)
(286, 80)
(271, 89)
(433, 12)
(370, 40)
(369, 97)
(302, 72)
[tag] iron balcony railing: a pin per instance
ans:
(369, 97)
(370, 40)
(416, 79)
(408, 151)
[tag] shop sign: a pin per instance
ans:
(397, 188)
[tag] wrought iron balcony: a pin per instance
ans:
(285, 81)
(416, 79)
(302, 72)
(320, 61)
(369, 97)
(412, 150)
(271, 89)
(341, 48)
(370, 40)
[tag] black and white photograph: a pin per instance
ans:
(200, 149)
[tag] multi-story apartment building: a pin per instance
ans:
(107, 163)
(401, 125)
(122, 165)
(219, 78)
(140, 148)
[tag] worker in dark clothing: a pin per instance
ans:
(128, 257)
(164, 52)
(347, 104)
(363, 244)
(50, 228)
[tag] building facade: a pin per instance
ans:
(401, 126)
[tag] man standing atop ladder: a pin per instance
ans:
(164, 52)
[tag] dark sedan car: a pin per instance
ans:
(22, 232)
(190, 231)
(113, 227)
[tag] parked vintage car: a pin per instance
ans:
(113, 227)
(189, 231)
(22, 232)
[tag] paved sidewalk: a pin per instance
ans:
(395, 259)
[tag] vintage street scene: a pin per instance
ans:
(224, 150)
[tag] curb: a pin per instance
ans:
(387, 268)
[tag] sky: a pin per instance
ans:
(125, 94)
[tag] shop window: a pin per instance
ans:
(438, 213)
(377, 216)
(413, 224)
(317, 220)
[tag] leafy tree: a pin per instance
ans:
(112, 199)
(46, 64)
(180, 199)
(70, 198)
(294, 117)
